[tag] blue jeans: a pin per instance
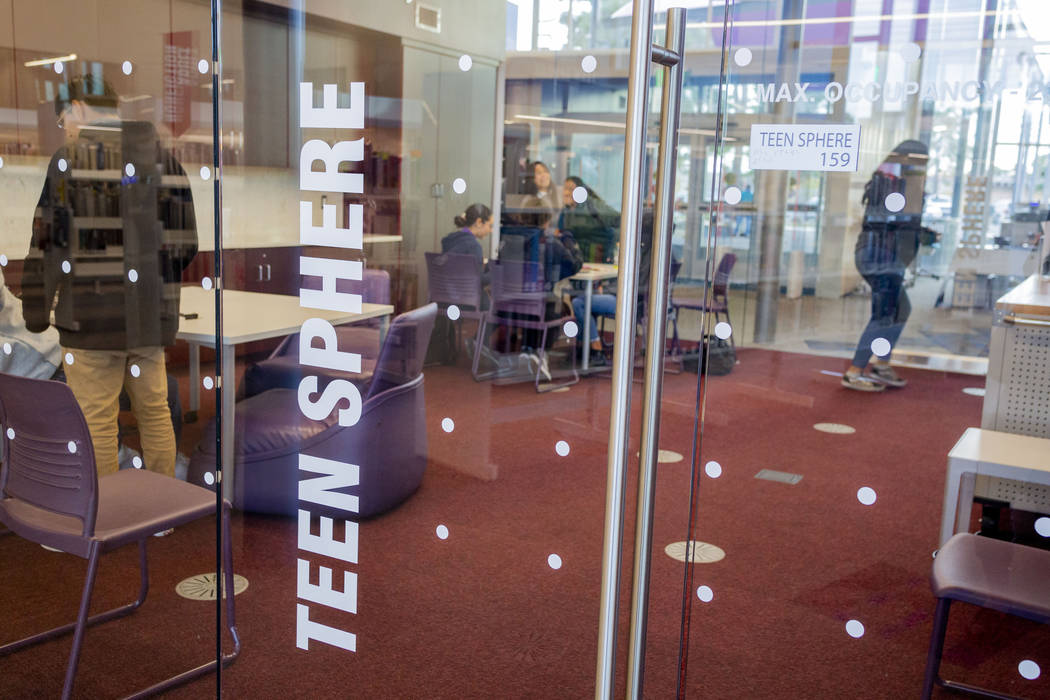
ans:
(601, 305)
(890, 309)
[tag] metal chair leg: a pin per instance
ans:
(933, 658)
(82, 621)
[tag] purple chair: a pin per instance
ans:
(282, 368)
(50, 494)
(455, 279)
(1011, 578)
(389, 442)
(519, 300)
(719, 305)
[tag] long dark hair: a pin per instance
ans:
(472, 214)
(577, 181)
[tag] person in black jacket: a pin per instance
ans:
(593, 223)
(474, 224)
(113, 230)
(889, 240)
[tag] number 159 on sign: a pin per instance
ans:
(834, 159)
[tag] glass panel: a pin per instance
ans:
(883, 291)
(410, 486)
(105, 130)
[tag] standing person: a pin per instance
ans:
(544, 193)
(592, 222)
(117, 288)
(889, 240)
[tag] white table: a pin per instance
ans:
(247, 316)
(589, 274)
(988, 453)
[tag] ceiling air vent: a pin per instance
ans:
(428, 18)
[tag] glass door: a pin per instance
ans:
(876, 256)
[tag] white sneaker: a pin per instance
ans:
(887, 375)
(544, 364)
(860, 383)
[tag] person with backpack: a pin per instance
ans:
(891, 233)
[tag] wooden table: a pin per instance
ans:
(589, 274)
(247, 316)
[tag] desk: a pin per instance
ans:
(992, 455)
(247, 316)
(1017, 390)
(589, 274)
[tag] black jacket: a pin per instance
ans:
(110, 246)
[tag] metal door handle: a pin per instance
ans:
(260, 274)
(268, 278)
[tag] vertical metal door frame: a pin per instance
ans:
(642, 53)
(623, 352)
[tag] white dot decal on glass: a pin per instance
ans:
(136, 462)
(1042, 526)
(895, 201)
(69, 358)
(1029, 669)
(459, 185)
(208, 383)
(10, 433)
(589, 64)
(465, 62)
(63, 165)
(135, 371)
(205, 172)
(3, 261)
(126, 67)
(881, 347)
(202, 66)
(974, 391)
(579, 195)
(129, 170)
(571, 329)
(723, 330)
(72, 447)
(733, 195)
(705, 594)
(554, 561)
(562, 448)
(855, 629)
(7, 348)
(453, 312)
(442, 532)
(66, 267)
(209, 478)
(448, 425)
(60, 67)
(133, 275)
(206, 283)
(713, 469)
(866, 495)
(910, 52)
(834, 428)
(743, 57)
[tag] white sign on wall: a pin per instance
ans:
(831, 147)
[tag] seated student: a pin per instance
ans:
(528, 236)
(593, 223)
(474, 224)
(25, 354)
(605, 304)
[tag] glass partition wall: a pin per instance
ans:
(105, 214)
(410, 387)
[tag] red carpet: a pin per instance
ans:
(482, 615)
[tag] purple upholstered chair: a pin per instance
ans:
(519, 300)
(282, 368)
(456, 280)
(1011, 578)
(388, 443)
(51, 495)
(719, 305)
